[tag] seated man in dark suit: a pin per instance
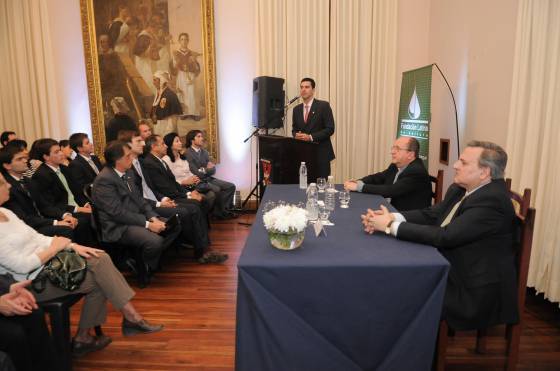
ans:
(51, 192)
(405, 183)
(160, 181)
(13, 164)
(473, 229)
(201, 166)
(125, 217)
(84, 167)
(24, 335)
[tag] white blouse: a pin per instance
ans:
(180, 168)
(19, 247)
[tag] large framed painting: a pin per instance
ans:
(153, 62)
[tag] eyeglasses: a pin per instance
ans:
(397, 148)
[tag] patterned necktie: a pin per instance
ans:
(125, 180)
(62, 179)
(23, 184)
(451, 214)
(306, 113)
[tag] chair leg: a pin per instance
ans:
(513, 347)
(60, 327)
(481, 341)
(98, 331)
(441, 347)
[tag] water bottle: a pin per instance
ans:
(302, 176)
(330, 199)
(311, 206)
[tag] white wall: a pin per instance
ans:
(473, 43)
(235, 64)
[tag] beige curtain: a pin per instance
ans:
(27, 91)
(363, 81)
(534, 133)
(349, 48)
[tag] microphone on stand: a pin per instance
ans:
(292, 101)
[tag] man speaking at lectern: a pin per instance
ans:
(313, 121)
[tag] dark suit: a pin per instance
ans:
(320, 124)
(478, 243)
(24, 207)
(165, 184)
(26, 339)
(81, 174)
(52, 200)
(123, 215)
(193, 226)
(412, 190)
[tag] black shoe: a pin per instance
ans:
(142, 327)
(80, 349)
(213, 257)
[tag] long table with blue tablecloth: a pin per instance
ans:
(345, 301)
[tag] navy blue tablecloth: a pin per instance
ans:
(347, 301)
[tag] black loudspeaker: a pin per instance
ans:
(268, 102)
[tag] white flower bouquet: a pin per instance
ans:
(286, 225)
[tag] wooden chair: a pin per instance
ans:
(526, 219)
(437, 193)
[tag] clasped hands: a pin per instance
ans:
(19, 301)
(377, 220)
(303, 136)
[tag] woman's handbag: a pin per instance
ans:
(66, 270)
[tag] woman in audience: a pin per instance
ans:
(23, 252)
(34, 161)
(67, 150)
(177, 161)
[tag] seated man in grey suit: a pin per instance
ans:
(125, 217)
(405, 183)
(201, 166)
(473, 228)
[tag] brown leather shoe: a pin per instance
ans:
(130, 328)
(80, 348)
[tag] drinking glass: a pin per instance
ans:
(330, 182)
(324, 213)
(344, 197)
(321, 184)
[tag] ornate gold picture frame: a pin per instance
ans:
(126, 42)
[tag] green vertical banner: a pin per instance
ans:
(415, 108)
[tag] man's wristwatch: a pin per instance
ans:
(388, 227)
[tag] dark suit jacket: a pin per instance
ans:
(162, 179)
(117, 206)
(49, 192)
(22, 205)
(81, 174)
(320, 124)
(478, 243)
(412, 190)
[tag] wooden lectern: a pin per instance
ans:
(285, 155)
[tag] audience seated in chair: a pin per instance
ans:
(13, 165)
(84, 167)
(405, 183)
(201, 166)
(50, 189)
(24, 251)
(194, 221)
(125, 217)
(24, 335)
(473, 229)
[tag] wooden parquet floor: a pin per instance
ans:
(196, 303)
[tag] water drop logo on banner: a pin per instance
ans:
(415, 108)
